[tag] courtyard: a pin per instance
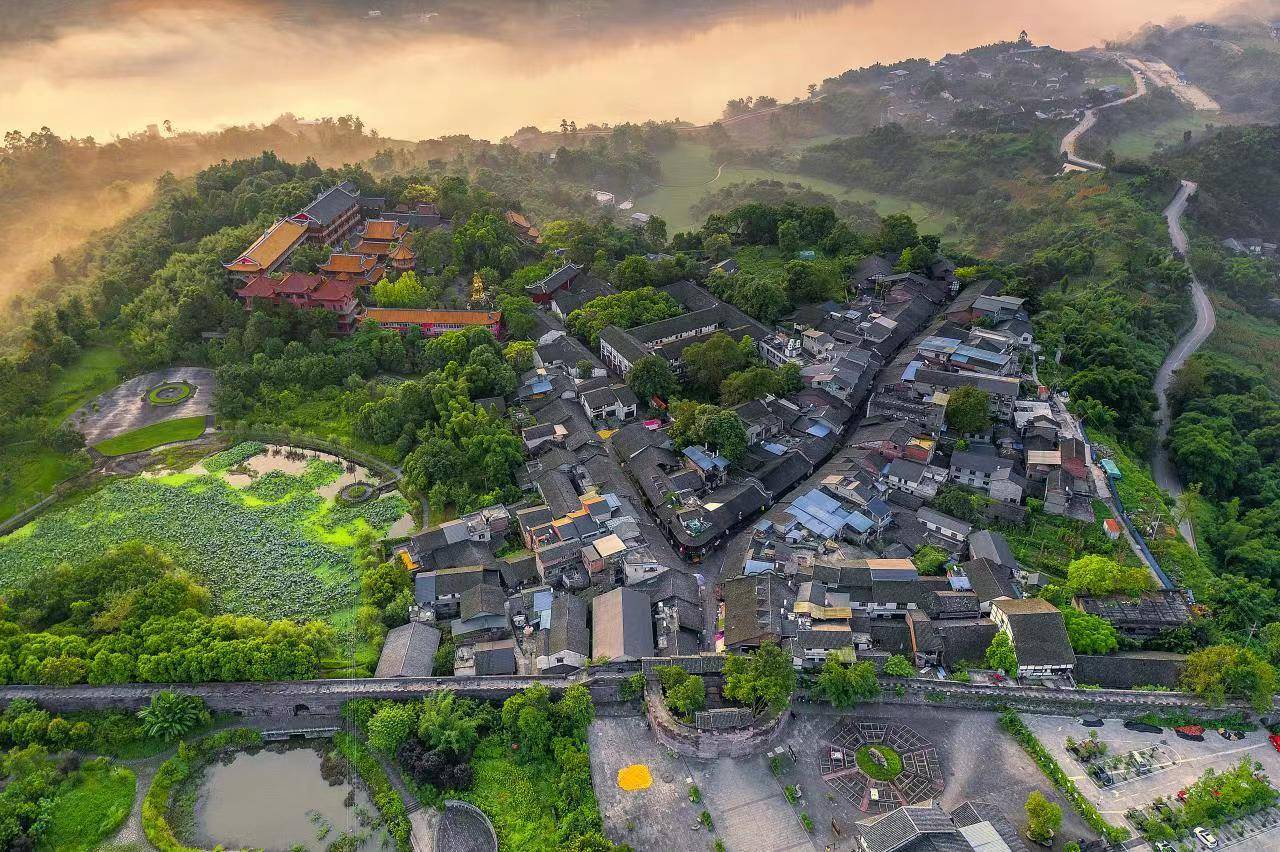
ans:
(748, 803)
(178, 392)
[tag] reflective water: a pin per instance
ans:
(275, 800)
(425, 69)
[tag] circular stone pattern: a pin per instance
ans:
(879, 766)
(356, 492)
(170, 393)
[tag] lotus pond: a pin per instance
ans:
(258, 525)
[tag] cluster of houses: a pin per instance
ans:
(582, 587)
(369, 241)
(835, 498)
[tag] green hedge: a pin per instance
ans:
(177, 769)
(1013, 723)
(385, 797)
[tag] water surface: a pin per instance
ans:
(275, 799)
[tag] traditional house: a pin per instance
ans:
(616, 402)
(402, 257)
(1149, 614)
(409, 651)
(1039, 636)
(562, 279)
(621, 626)
(564, 645)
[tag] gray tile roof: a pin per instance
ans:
(621, 625)
(408, 651)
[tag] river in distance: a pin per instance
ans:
(414, 69)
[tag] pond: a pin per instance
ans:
(280, 799)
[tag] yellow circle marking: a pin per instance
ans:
(634, 777)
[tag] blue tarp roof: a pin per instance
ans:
(755, 566)
(704, 461)
(820, 430)
(776, 449)
(909, 374)
(822, 514)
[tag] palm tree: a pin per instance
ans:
(172, 715)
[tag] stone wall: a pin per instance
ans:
(691, 742)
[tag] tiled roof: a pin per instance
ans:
(383, 230)
(409, 651)
(427, 315)
(352, 264)
(270, 247)
(330, 204)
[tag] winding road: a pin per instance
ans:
(1162, 469)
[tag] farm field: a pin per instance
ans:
(688, 175)
(263, 531)
(147, 437)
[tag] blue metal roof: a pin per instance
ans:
(909, 374)
(776, 449)
(704, 461)
(755, 566)
(819, 430)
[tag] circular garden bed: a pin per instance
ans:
(355, 493)
(879, 762)
(170, 393)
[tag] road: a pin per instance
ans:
(1070, 141)
(1161, 467)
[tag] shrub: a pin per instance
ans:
(384, 795)
(807, 822)
(190, 757)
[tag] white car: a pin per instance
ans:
(1206, 837)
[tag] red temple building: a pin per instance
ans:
(433, 323)
(312, 292)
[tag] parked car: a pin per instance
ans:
(1091, 721)
(1230, 735)
(1161, 846)
(1143, 727)
(1275, 741)
(1190, 732)
(1182, 795)
(1206, 837)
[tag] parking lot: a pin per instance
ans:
(1189, 759)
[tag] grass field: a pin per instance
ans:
(1140, 143)
(688, 175)
(29, 470)
(164, 432)
(91, 811)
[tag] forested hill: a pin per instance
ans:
(1238, 169)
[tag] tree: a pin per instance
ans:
(519, 354)
(806, 282)
(789, 238)
(391, 726)
(652, 376)
(633, 272)
(931, 559)
(749, 384)
(685, 693)
(573, 713)
(173, 715)
(968, 410)
(1089, 634)
(1223, 671)
(308, 257)
(519, 316)
(899, 666)
(763, 679)
(1001, 656)
(1098, 575)
(707, 364)
(1043, 817)
(407, 291)
(695, 424)
(844, 685)
(450, 723)
(897, 232)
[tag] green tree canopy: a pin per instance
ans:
(765, 678)
(968, 410)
